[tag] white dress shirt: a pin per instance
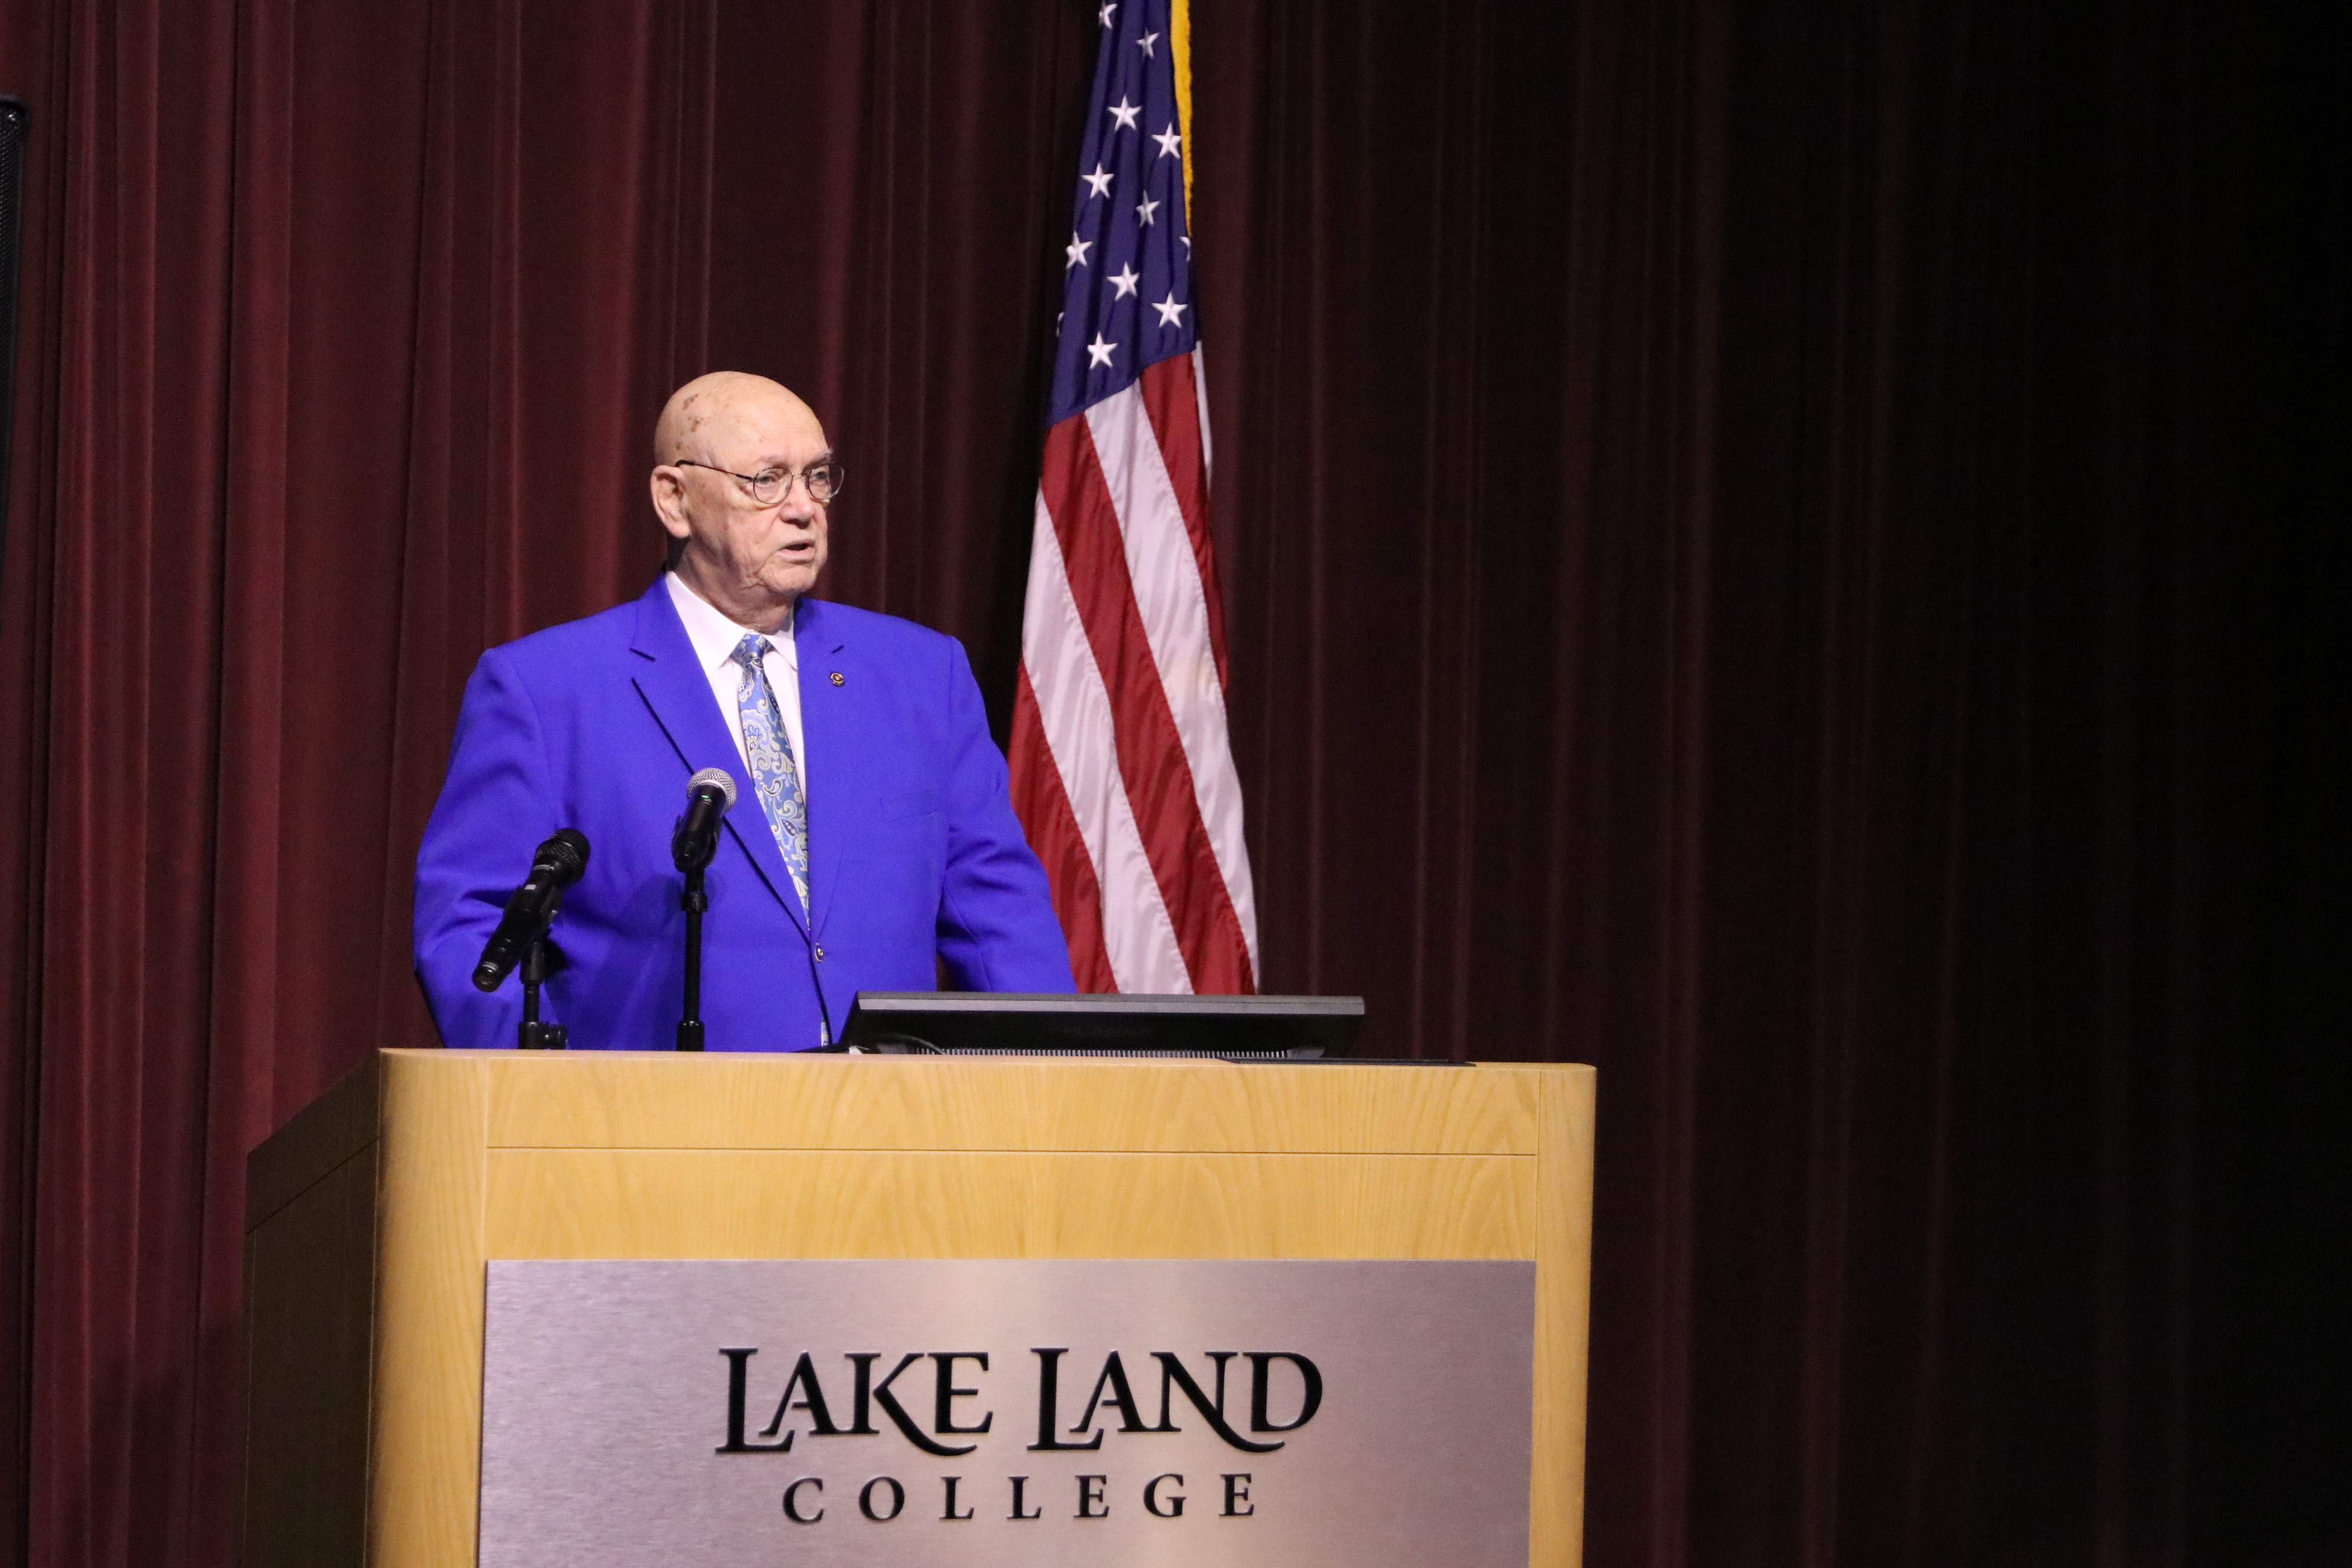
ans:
(715, 639)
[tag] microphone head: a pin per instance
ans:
(565, 853)
(718, 779)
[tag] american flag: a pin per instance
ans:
(1121, 768)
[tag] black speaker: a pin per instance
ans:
(15, 123)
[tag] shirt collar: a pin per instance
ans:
(714, 636)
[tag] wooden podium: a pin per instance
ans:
(372, 1215)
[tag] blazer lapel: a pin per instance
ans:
(832, 765)
(673, 686)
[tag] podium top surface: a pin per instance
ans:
(662, 1100)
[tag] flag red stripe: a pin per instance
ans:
(1150, 755)
(1043, 801)
(1172, 401)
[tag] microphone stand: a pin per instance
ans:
(693, 900)
(530, 1034)
(692, 844)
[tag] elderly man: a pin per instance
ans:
(872, 835)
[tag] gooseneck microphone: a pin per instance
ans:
(554, 866)
(709, 796)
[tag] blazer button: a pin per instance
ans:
(820, 955)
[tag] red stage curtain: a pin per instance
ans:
(1764, 551)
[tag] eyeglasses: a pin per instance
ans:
(770, 485)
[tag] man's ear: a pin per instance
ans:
(668, 488)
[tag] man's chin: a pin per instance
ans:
(790, 581)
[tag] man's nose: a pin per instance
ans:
(796, 505)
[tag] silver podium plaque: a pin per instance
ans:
(1004, 1413)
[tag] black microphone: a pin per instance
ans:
(554, 866)
(709, 796)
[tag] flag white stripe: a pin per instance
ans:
(1074, 711)
(1175, 608)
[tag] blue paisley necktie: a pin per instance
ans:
(769, 750)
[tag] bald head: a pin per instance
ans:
(749, 560)
(711, 406)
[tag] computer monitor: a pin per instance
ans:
(1232, 1028)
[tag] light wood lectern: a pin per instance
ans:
(371, 1217)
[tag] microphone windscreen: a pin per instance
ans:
(718, 779)
(567, 850)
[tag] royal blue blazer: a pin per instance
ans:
(914, 852)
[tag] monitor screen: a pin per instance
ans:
(1233, 1028)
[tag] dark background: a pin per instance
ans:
(1793, 551)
